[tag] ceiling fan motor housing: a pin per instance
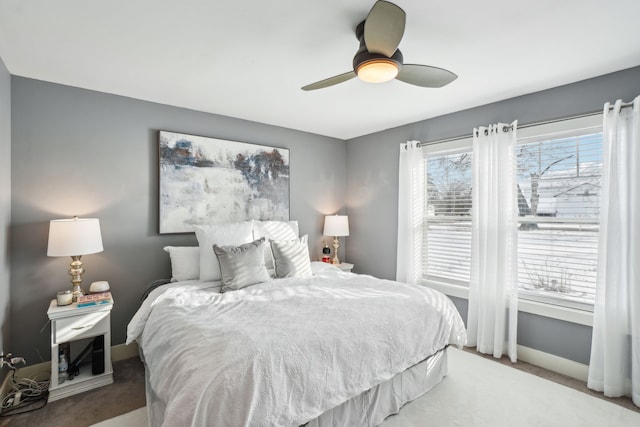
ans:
(363, 56)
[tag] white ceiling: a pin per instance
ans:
(248, 59)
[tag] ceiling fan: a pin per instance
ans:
(378, 58)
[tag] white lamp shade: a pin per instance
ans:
(73, 237)
(336, 225)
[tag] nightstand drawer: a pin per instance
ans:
(78, 327)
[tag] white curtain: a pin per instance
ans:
(615, 348)
(493, 292)
(411, 190)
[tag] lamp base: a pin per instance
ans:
(336, 246)
(75, 271)
(76, 292)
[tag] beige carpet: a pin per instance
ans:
(481, 393)
(130, 419)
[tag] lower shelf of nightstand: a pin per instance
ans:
(79, 384)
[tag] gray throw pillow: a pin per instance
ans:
(291, 258)
(241, 266)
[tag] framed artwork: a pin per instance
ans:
(214, 181)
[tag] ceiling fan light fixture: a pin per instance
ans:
(378, 70)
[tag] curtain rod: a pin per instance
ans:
(622, 105)
(545, 122)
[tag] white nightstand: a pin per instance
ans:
(344, 266)
(71, 323)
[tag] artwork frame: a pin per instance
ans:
(205, 180)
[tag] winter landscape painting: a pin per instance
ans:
(213, 181)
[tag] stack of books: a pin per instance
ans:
(94, 299)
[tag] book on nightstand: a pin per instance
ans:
(94, 299)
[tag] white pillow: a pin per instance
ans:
(185, 262)
(242, 266)
(230, 234)
(291, 257)
(274, 230)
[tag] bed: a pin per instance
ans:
(323, 348)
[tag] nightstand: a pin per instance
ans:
(71, 323)
(345, 266)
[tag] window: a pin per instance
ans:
(559, 204)
(447, 240)
(559, 169)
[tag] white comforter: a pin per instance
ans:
(282, 352)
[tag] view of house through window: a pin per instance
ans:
(559, 188)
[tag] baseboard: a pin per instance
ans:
(43, 370)
(554, 363)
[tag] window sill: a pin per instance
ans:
(566, 314)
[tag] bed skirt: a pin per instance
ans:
(374, 405)
(367, 409)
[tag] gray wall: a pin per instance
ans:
(372, 186)
(79, 152)
(5, 203)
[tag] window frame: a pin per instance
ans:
(580, 313)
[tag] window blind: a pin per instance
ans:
(559, 187)
(447, 239)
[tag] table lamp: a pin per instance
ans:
(75, 237)
(336, 226)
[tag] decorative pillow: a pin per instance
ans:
(185, 262)
(292, 258)
(230, 234)
(274, 230)
(242, 266)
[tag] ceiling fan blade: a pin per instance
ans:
(383, 28)
(425, 76)
(330, 81)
